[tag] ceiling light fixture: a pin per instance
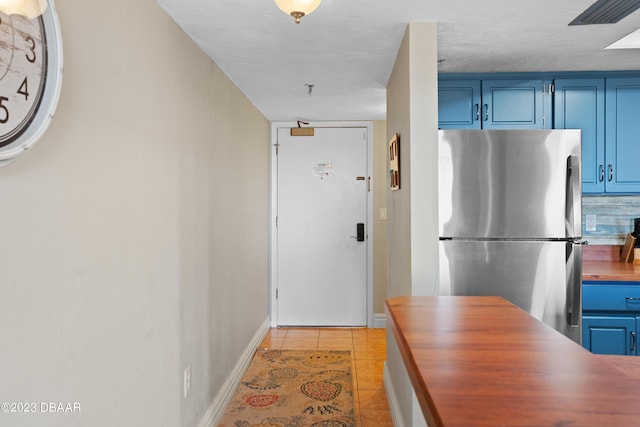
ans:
(29, 8)
(630, 41)
(298, 8)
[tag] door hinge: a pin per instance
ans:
(276, 221)
(276, 293)
(277, 148)
(369, 185)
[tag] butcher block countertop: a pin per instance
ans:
(481, 361)
(602, 262)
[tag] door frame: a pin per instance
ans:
(273, 242)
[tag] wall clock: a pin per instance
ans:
(30, 76)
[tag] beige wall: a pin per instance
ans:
(399, 202)
(125, 243)
(413, 210)
(380, 179)
(412, 233)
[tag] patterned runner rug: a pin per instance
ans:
(294, 388)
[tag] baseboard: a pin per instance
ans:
(392, 399)
(215, 411)
(379, 320)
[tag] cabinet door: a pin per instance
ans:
(512, 104)
(609, 335)
(623, 127)
(459, 104)
(579, 104)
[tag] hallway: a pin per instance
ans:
(368, 354)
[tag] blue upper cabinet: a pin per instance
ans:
(622, 152)
(579, 104)
(604, 105)
(512, 104)
(492, 104)
(459, 104)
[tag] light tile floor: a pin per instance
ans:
(368, 350)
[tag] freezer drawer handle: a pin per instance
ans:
(574, 280)
(633, 342)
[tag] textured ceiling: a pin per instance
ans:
(347, 48)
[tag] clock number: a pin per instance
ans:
(23, 90)
(4, 110)
(32, 48)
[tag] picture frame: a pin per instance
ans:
(394, 162)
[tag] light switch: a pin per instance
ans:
(383, 214)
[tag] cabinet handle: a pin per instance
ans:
(601, 173)
(486, 112)
(477, 111)
(632, 299)
(633, 342)
(610, 172)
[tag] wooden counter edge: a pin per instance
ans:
(429, 409)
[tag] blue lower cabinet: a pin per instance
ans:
(611, 317)
(610, 334)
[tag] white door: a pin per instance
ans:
(321, 199)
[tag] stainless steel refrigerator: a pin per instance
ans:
(510, 220)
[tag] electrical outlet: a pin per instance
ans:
(591, 222)
(187, 380)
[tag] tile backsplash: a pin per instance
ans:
(614, 218)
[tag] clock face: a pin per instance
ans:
(30, 77)
(23, 52)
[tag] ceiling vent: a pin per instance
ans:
(606, 12)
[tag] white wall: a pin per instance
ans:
(134, 230)
(412, 231)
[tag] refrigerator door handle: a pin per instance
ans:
(573, 212)
(574, 284)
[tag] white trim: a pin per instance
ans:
(392, 399)
(379, 321)
(215, 411)
(273, 251)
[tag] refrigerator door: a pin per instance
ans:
(543, 278)
(510, 184)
